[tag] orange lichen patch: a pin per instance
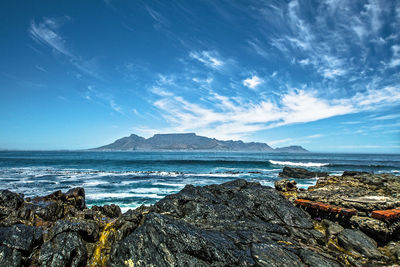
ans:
(334, 209)
(325, 207)
(41, 223)
(386, 215)
(302, 202)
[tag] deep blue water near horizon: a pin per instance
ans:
(130, 179)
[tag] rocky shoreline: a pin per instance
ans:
(350, 220)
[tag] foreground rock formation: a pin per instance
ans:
(238, 223)
(368, 203)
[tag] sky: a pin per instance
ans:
(321, 74)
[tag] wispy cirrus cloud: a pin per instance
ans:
(208, 58)
(47, 32)
(235, 118)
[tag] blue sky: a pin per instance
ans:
(321, 74)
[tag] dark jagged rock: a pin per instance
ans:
(237, 223)
(10, 200)
(359, 243)
(286, 185)
(112, 211)
(17, 244)
(21, 237)
(10, 257)
(89, 230)
(65, 249)
(289, 172)
(169, 242)
(353, 173)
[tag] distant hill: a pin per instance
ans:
(190, 142)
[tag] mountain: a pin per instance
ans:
(190, 141)
(291, 149)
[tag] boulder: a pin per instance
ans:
(289, 172)
(10, 257)
(21, 237)
(359, 243)
(285, 185)
(238, 223)
(10, 199)
(65, 249)
(112, 211)
(88, 230)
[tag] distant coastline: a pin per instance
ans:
(191, 142)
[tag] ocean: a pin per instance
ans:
(131, 179)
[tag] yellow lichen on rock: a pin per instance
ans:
(103, 246)
(129, 263)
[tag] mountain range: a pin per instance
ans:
(190, 142)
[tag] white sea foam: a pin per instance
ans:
(94, 183)
(98, 196)
(169, 184)
(303, 164)
(155, 190)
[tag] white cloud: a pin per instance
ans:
(377, 97)
(331, 73)
(116, 107)
(304, 106)
(209, 58)
(386, 117)
(47, 33)
(252, 82)
(394, 63)
(257, 47)
(396, 50)
(304, 62)
(234, 118)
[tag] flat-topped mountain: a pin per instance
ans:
(190, 141)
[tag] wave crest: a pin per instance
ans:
(302, 164)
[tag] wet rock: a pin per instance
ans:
(169, 242)
(10, 199)
(312, 259)
(21, 237)
(332, 228)
(289, 172)
(365, 193)
(89, 230)
(359, 243)
(111, 211)
(65, 249)
(267, 254)
(353, 173)
(286, 185)
(76, 197)
(236, 223)
(10, 257)
(47, 210)
(392, 250)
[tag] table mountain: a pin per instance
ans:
(189, 141)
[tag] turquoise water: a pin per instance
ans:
(131, 179)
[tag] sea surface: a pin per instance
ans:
(131, 179)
